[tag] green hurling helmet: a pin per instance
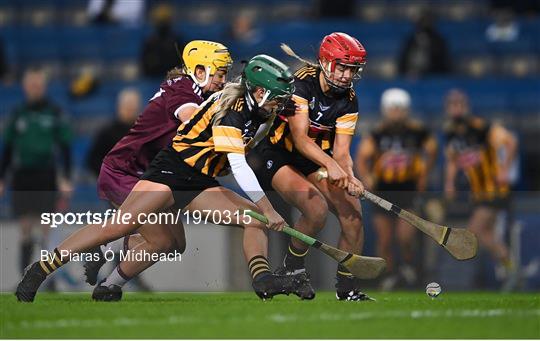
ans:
(270, 74)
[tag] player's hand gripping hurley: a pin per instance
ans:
(360, 266)
(460, 243)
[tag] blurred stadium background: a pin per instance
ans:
(89, 59)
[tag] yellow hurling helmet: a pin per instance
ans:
(211, 55)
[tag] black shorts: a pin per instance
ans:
(34, 191)
(185, 182)
(266, 159)
(400, 194)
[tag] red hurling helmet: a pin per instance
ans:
(341, 48)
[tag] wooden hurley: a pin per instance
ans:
(460, 243)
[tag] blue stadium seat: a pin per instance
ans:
(121, 43)
(38, 44)
(10, 96)
(81, 43)
(191, 31)
(96, 105)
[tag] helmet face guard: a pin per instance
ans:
(329, 73)
(341, 49)
(282, 102)
(210, 55)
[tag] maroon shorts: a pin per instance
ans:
(114, 185)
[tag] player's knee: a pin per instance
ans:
(315, 211)
(353, 235)
(351, 219)
(352, 227)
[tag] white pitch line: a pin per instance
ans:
(277, 318)
(414, 314)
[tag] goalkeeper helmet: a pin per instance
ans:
(271, 75)
(208, 54)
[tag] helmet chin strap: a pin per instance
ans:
(251, 99)
(326, 72)
(265, 97)
(206, 78)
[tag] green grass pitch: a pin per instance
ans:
(243, 315)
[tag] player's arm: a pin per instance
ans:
(500, 137)
(181, 102)
(430, 152)
(299, 125)
(228, 139)
(345, 125)
(429, 148)
(246, 179)
(364, 157)
(263, 130)
(451, 169)
(185, 111)
(64, 138)
(342, 155)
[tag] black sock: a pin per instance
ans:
(27, 248)
(53, 262)
(294, 259)
(258, 267)
(343, 274)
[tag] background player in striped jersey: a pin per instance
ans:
(183, 175)
(474, 146)
(204, 71)
(318, 134)
(395, 160)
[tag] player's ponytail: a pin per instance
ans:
(175, 72)
(230, 93)
(289, 51)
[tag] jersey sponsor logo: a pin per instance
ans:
(395, 160)
(324, 107)
(269, 164)
(166, 172)
(312, 103)
(469, 158)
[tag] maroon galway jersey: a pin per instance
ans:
(154, 128)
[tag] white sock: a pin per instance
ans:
(115, 245)
(115, 278)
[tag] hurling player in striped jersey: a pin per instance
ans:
(318, 134)
(204, 70)
(183, 176)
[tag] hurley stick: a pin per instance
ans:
(460, 243)
(360, 266)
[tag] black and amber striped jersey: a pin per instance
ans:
(399, 151)
(204, 145)
(468, 139)
(327, 115)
